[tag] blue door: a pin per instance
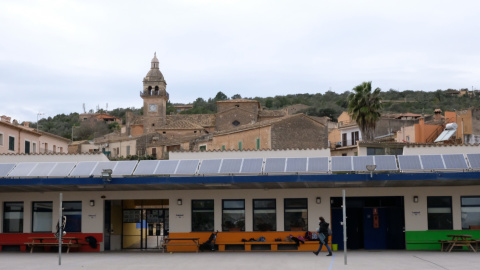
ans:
(375, 231)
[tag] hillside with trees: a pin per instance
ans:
(329, 104)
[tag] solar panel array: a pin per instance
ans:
(243, 166)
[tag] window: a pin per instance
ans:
(470, 212)
(42, 217)
(355, 137)
(223, 147)
(375, 151)
(34, 148)
(13, 217)
(54, 148)
(46, 148)
(11, 143)
(239, 145)
(264, 215)
(73, 212)
(235, 123)
(344, 139)
(60, 149)
(27, 147)
(128, 150)
(439, 213)
(258, 143)
(408, 138)
(1, 139)
(296, 214)
(203, 148)
(233, 215)
(202, 216)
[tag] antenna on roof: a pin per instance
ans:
(106, 108)
(84, 111)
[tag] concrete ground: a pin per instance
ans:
(358, 260)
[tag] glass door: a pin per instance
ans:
(156, 227)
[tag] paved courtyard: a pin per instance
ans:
(358, 260)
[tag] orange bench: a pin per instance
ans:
(232, 241)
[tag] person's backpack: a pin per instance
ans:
(308, 235)
(314, 236)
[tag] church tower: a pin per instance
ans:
(154, 97)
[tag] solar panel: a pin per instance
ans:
(5, 168)
(146, 167)
(360, 163)
(474, 160)
(252, 165)
(22, 169)
(409, 162)
(231, 165)
(62, 169)
(43, 169)
(386, 163)
(273, 165)
(432, 162)
(84, 168)
(210, 166)
(104, 165)
(187, 166)
(125, 167)
(167, 167)
(455, 161)
(341, 164)
(296, 165)
(318, 164)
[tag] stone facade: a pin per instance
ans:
(298, 132)
(234, 117)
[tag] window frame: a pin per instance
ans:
(431, 216)
(210, 211)
(462, 206)
(33, 217)
(11, 143)
(274, 227)
(285, 210)
(69, 220)
(21, 219)
(224, 227)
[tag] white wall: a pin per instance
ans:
(250, 154)
(52, 158)
(441, 149)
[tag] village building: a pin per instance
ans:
(22, 139)
(238, 124)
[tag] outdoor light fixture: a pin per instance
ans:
(107, 175)
(371, 168)
(319, 200)
(415, 199)
(179, 201)
(92, 203)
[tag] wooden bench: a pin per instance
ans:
(181, 241)
(68, 245)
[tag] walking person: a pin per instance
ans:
(323, 236)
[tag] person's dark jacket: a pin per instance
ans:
(324, 228)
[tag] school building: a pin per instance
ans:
(407, 201)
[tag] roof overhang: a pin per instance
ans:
(242, 182)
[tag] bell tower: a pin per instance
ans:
(154, 97)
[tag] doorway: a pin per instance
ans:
(372, 222)
(144, 223)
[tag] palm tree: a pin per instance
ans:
(364, 107)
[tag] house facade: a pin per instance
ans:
(21, 139)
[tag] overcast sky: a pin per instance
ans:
(57, 55)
